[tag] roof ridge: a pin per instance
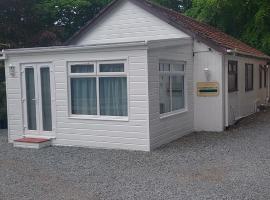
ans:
(210, 35)
(202, 24)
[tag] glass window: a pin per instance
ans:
(46, 98)
(83, 96)
(82, 68)
(164, 93)
(249, 77)
(94, 94)
(178, 100)
(178, 67)
(171, 87)
(30, 98)
(113, 96)
(265, 77)
(232, 76)
(260, 76)
(116, 67)
(164, 67)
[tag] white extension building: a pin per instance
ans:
(135, 77)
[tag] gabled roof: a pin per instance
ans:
(207, 34)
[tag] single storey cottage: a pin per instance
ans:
(135, 77)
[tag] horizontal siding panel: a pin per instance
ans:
(130, 23)
(167, 129)
(108, 145)
(131, 134)
(104, 133)
(110, 139)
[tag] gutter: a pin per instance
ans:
(73, 48)
(240, 53)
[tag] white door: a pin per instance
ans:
(38, 99)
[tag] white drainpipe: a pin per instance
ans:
(268, 84)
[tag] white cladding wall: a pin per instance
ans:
(129, 23)
(209, 111)
(164, 130)
(242, 103)
(132, 134)
(14, 102)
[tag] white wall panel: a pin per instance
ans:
(128, 22)
(242, 103)
(164, 130)
(132, 134)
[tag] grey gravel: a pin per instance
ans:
(234, 164)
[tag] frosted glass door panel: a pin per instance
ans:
(30, 98)
(46, 98)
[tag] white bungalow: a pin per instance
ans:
(135, 77)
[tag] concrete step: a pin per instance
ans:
(32, 143)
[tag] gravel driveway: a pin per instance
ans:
(231, 165)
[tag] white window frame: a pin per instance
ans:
(97, 74)
(39, 117)
(183, 73)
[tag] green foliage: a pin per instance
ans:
(67, 15)
(246, 20)
(29, 23)
(177, 5)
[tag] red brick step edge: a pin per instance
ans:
(32, 140)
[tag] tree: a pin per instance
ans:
(18, 24)
(177, 5)
(67, 15)
(29, 23)
(246, 20)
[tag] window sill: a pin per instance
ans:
(99, 118)
(174, 113)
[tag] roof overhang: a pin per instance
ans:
(235, 52)
(177, 24)
(93, 47)
(103, 13)
(151, 44)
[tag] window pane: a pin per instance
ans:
(83, 96)
(46, 99)
(249, 77)
(260, 76)
(113, 96)
(265, 77)
(178, 97)
(232, 82)
(30, 98)
(178, 67)
(164, 67)
(82, 68)
(116, 67)
(164, 93)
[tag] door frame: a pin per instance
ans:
(38, 96)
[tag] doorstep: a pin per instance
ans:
(32, 143)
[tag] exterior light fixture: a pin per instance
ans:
(207, 73)
(12, 71)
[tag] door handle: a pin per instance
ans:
(33, 99)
